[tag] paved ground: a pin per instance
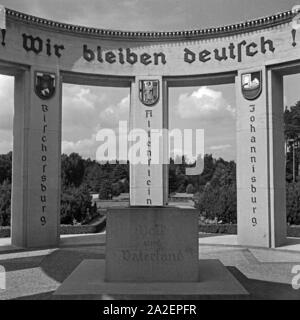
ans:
(266, 274)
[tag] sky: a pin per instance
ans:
(88, 109)
(150, 14)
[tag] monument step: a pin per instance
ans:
(214, 281)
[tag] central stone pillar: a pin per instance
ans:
(147, 114)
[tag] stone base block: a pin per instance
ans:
(152, 245)
(87, 281)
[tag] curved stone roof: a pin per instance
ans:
(214, 32)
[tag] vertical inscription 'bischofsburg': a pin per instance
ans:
(44, 160)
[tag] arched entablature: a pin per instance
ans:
(39, 42)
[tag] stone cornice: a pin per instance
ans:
(201, 34)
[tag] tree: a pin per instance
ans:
(209, 168)
(217, 200)
(172, 177)
(206, 202)
(6, 167)
(72, 169)
(293, 202)
(105, 191)
(92, 176)
(5, 203)
(190, 188)
(292, 137)
(76, 204)
(117, 188)
(126, 185)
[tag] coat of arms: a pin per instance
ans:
(252, 85)
(45, 84)
(149, 92)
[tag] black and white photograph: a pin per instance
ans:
(149, 151)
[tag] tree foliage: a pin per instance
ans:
(292, 135)
(80, 178)
(5, 200)
(6, 167)
(216, 201)
(76, 205)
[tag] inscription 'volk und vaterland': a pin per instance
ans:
(157, 256)
(151, 247)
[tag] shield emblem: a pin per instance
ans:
(149, 92)
(45, 84)
(252, 85)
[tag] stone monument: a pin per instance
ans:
(255, 55)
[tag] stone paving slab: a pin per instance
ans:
(26, 282)
(35, 274)
(25, 254)
(228, 257)
(264, 256)
(271, 272)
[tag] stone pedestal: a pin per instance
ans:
(151, 251)
(152, 245)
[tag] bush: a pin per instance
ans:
(76, 205)
(105, 190)
(217, 200)
(5, 208)
(293, 202)
(190, 189)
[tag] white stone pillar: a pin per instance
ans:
(147, 180)
(258, 160)
(260, 163)
(36, 164)
(252, 165)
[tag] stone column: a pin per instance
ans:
(257, 157)
(36, 164)
(147, 185)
